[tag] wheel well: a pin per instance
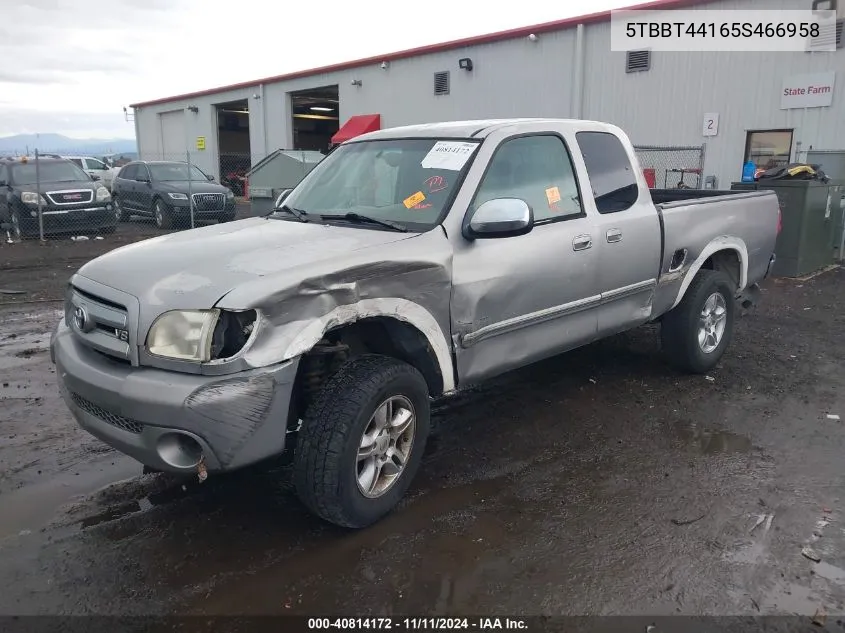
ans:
(726, 261)
(376, 335)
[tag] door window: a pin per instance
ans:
(609, 170)
(77, 162)
(93, 163)
(536, 169)
(129, 172)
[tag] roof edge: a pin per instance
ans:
(498, 36)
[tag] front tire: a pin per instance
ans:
(120, 214)
(163, 216)
(15, 221)
(696, 333)
(362, 440)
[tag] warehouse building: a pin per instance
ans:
(724, 107)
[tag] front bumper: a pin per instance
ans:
(235, 420)
(90, 216)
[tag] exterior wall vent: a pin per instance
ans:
(637, 61)
(830, 35)
(441, 83)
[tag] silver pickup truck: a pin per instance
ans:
(410, 263)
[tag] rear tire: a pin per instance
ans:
(353, 461)
(163, 216)
(696, 333)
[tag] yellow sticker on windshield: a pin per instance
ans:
(553, 195)
(412, 201)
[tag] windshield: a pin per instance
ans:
(48, 171)
(175, 171)
(406, 181)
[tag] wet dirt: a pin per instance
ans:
(597, 483)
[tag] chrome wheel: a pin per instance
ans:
(159, 214)
(118, 213)
(711, 324)
(385, 446)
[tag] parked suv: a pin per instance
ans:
(161, 188)
(95, 167)
(70, 199)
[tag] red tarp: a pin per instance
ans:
(357, 125)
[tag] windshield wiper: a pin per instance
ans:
(364, 219)
(300, 215)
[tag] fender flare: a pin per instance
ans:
(721, 243)
(399, 309)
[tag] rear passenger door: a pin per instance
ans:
(143, 188)
(628, 233)
(516, 300)
(125, 187)
(4, 194)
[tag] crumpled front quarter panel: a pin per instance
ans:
(409, 280)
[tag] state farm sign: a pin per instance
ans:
(807, 91)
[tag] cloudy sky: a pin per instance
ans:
(70, 66)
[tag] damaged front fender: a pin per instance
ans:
(408, 281)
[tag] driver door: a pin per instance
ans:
(517, 300)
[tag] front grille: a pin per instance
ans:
(100, 323)
(209, 201)
(76, 196)
(127, 424)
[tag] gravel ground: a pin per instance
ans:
(600, 482)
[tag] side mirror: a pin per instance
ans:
(209, 176)
(95, 177)
(500, 217)
(285, 193)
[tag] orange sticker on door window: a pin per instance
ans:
(553, 195)
(414, 200)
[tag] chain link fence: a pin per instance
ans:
(672, 167)
(61, 213)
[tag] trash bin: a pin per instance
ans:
(278, 171)
(811, 211)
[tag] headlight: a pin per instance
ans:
(230, 194)
(183, 334)
(103, 194)
(30, 197)
(177, 196)
(201, 335)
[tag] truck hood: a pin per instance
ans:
(194, 269)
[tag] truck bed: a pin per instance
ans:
(692, 219)
(660, 196)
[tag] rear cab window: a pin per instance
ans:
(537, 169)
(610, 172)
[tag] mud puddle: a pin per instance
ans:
(30, 508)
(713, 441)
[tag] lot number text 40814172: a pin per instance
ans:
(417, 624)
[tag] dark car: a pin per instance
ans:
(161, 189)
(71, 201)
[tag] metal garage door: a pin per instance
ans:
(173, 135)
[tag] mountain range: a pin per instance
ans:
(20, 143)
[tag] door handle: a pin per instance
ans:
(614, 235)
(582, 242)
